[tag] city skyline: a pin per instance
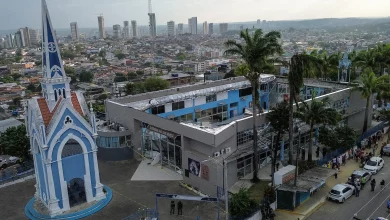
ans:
(85, 12)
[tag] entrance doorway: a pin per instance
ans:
(76, 192)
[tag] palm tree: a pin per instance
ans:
(301, 66)
(255, 52)
(278, 117)
(367, 59)
(316, 113)
(367, 86)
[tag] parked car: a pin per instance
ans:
(363, 176)
(3, 163)
(13, 159)
(386, 150)
(374, 165)
(341, 192)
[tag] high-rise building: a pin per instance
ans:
(102, 31)
(241, 27)
(205, 28)
(223, 28)
(19, 41)
(171, 28)
(34, 36)
(26, 36)
(211, 29)
(194, 25)
(258, 22)
(134, 28)
(10, 40)
(126, 30)
(180, 28)
(74, 30)
(189, 26)
(116, 31)
(22, 38)
(152, 24)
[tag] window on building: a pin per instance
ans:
(232, 105)
(244, 166)
(245, 92)
(177, 105)
(244, 137)
(211, 98)
(158, 110)
(263, 87)
(212, 115)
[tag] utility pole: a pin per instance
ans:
(297, 158)
(226, 189)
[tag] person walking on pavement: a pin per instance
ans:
(382, 184)
(277, 166)
(15, 172)
(336, 173)
(179, 208)
(172, 208)
(357, 189)
(373, 183)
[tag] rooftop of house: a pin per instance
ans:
(175, 76)
(146, 100)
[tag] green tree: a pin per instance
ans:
(337, 137)
(230, 74)
(241, 205)
(278, 117)
(38, 62)
(155, 84)
(120, 78)
(120, 56)
(132, 75)
(16, 76)
(98, 107)
(255, 51)
(86, 76)
(301, 66)
(140, 72)
(79, 48)
(15, 142)
(68, 54)
(385, 114)
(129, 89)
(16, 101)
(102, 53)
(101, 97)
(316, 113)
(367, 86)
(180, 56)
(19, 53)
(139, 87)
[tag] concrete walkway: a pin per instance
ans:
(318, 199)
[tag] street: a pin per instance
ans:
(369, 205)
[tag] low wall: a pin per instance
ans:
(114, 154)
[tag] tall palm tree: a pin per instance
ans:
(255, 51)
(316, 113)
(367, 59)
(301, 66)
(367, 86)
(278, 117)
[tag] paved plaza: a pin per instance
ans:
(128, 196)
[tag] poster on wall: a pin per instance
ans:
(194, 167)
(204, 170)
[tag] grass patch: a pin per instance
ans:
(256, 191)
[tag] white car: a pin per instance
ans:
(341, 192)
(374, 165)
(13, 159)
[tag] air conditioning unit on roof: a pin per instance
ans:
(217, 154)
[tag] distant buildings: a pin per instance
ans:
(134, 28)
(223, 28)
(180, 28)
(193, 25)
(126, 30)
(152, 24)
(241, 27)
(171, 28)
(26, 36)
(189, 25)
(9, 41)
(34, 36)
(19, 39)
(74, 30)
(205, 28)
(116, 31)
(102, 31)
(211, 29)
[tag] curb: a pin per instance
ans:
(313, 210)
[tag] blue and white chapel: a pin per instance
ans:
(62, 140)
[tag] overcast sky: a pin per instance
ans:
(21, 13)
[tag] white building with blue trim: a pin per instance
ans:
(62, 140)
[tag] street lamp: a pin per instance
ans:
(225, 182)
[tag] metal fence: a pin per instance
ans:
(17, 171)
(146, 214)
